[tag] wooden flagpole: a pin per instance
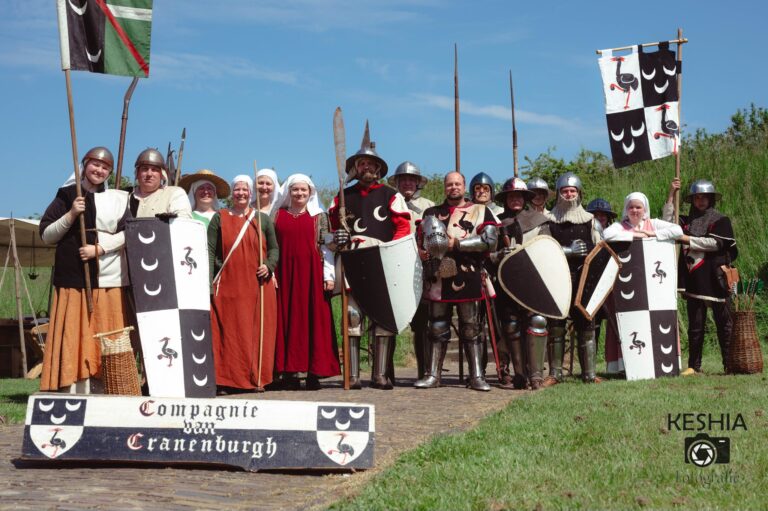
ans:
(679, 117)
(261, 284)
(123, 128)
(78, 188)
(679, 40)
(456, 106)
(514, 126)
(340, 148)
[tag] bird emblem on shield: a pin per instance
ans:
(57, 425)
(343, 432)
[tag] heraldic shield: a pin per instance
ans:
(55, 424)
(343, 432)
(536, 276)
(386, 281)
(597, 278)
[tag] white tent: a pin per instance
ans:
(30, 247)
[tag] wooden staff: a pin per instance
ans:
(123, 127)
(456, 106)
(261, 285)
(680, 42)
(78, 189)
(19, 313)
(339, 142)
(514, 126)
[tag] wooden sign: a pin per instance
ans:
(251, 434)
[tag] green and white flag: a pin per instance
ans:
(105, 36)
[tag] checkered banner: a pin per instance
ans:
(641, 104)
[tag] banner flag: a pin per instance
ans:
(105, 36)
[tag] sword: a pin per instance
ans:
(491, 317)
(339, 142)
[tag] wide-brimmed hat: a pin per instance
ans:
(514, 184)
(222, 187)
(367, 150)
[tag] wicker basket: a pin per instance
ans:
(744, 354)
(118, 366)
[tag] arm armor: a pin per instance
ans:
(484, 242)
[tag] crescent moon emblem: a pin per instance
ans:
(639, 131)
(357, 415)
(73, 407)
(629, 149)
(667, 368)
(463, 268)
(669, 72)
(199, 360)
(45, 408)
(93, 58)
(619, 137)
(623, 260)
(376, 214)
(665, 330)
(357, 227)
(649, 76)
(147, 240)
(627, 296)
(154, 292)
(200, 381)
(149, 267)
(343, 425)
(661, 89)
(58, 420)
(666, 349)
(443, 218)
(133, 441)
(328, 415)
(625, 279)
(78, 10)
(197, 337)
(458, 288)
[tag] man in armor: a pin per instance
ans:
(375, 214)
(481, 189)
(470, 231)
(409, 182)
(542, 194)
(527, 355)
(577, 231)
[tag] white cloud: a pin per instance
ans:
(191, 66)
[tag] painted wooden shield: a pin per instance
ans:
(386, 281)
(597, 278)
(536, 276)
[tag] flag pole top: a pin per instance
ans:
(682, 40)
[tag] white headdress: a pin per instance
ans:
(284, 199)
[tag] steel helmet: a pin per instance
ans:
(368, 149)
(702, 186)
(536, 183)
(407, 168)
(568, 179)
(99, 153)
(514, 184)
(150, 156)
(481, 178)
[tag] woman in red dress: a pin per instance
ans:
(306, 341)
(243, 258)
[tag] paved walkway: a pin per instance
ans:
(406, 417)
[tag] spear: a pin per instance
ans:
(514, 126)
(181, 154)
(339, 142)
(123, 127)
(261, 261)
(456, 107)
(169, 164)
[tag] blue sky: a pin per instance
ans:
(260, 80)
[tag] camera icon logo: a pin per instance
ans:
(702, 450)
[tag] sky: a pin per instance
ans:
(260, 80)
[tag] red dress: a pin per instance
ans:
(235, 311)
(305, 336)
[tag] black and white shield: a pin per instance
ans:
(56, 424)
(536, 275)
(645, 295)
(386, 281)
(597, 277)
(169, 272)
(343, 432)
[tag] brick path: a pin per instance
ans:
(406, 417)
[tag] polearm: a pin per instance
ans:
(514, 126)
(170, 164)
(181, 155)
(679, 116)
(339, 142)
(123, 127)
(261, 261)
(456, 108)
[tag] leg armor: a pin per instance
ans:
(555, 352)
(438, 336)
(381, 352)
(697, 319)
(588, 355)
(420, 340)
(354, 362)
(536, 344)
(469, 335)
(510, 328)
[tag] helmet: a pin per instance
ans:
(568, 179)
(514, 184)
(701, 186)
(481, 178)
(367, 148)
(536, 183)
(150, 157)
(601, 206)
(407, 168)
(101, 154)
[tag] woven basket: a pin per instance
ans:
(118, 366)
(744, 354)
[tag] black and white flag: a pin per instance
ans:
(641, 104)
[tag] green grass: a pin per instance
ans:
(13, 398)
(38, 291)
(574, 446)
